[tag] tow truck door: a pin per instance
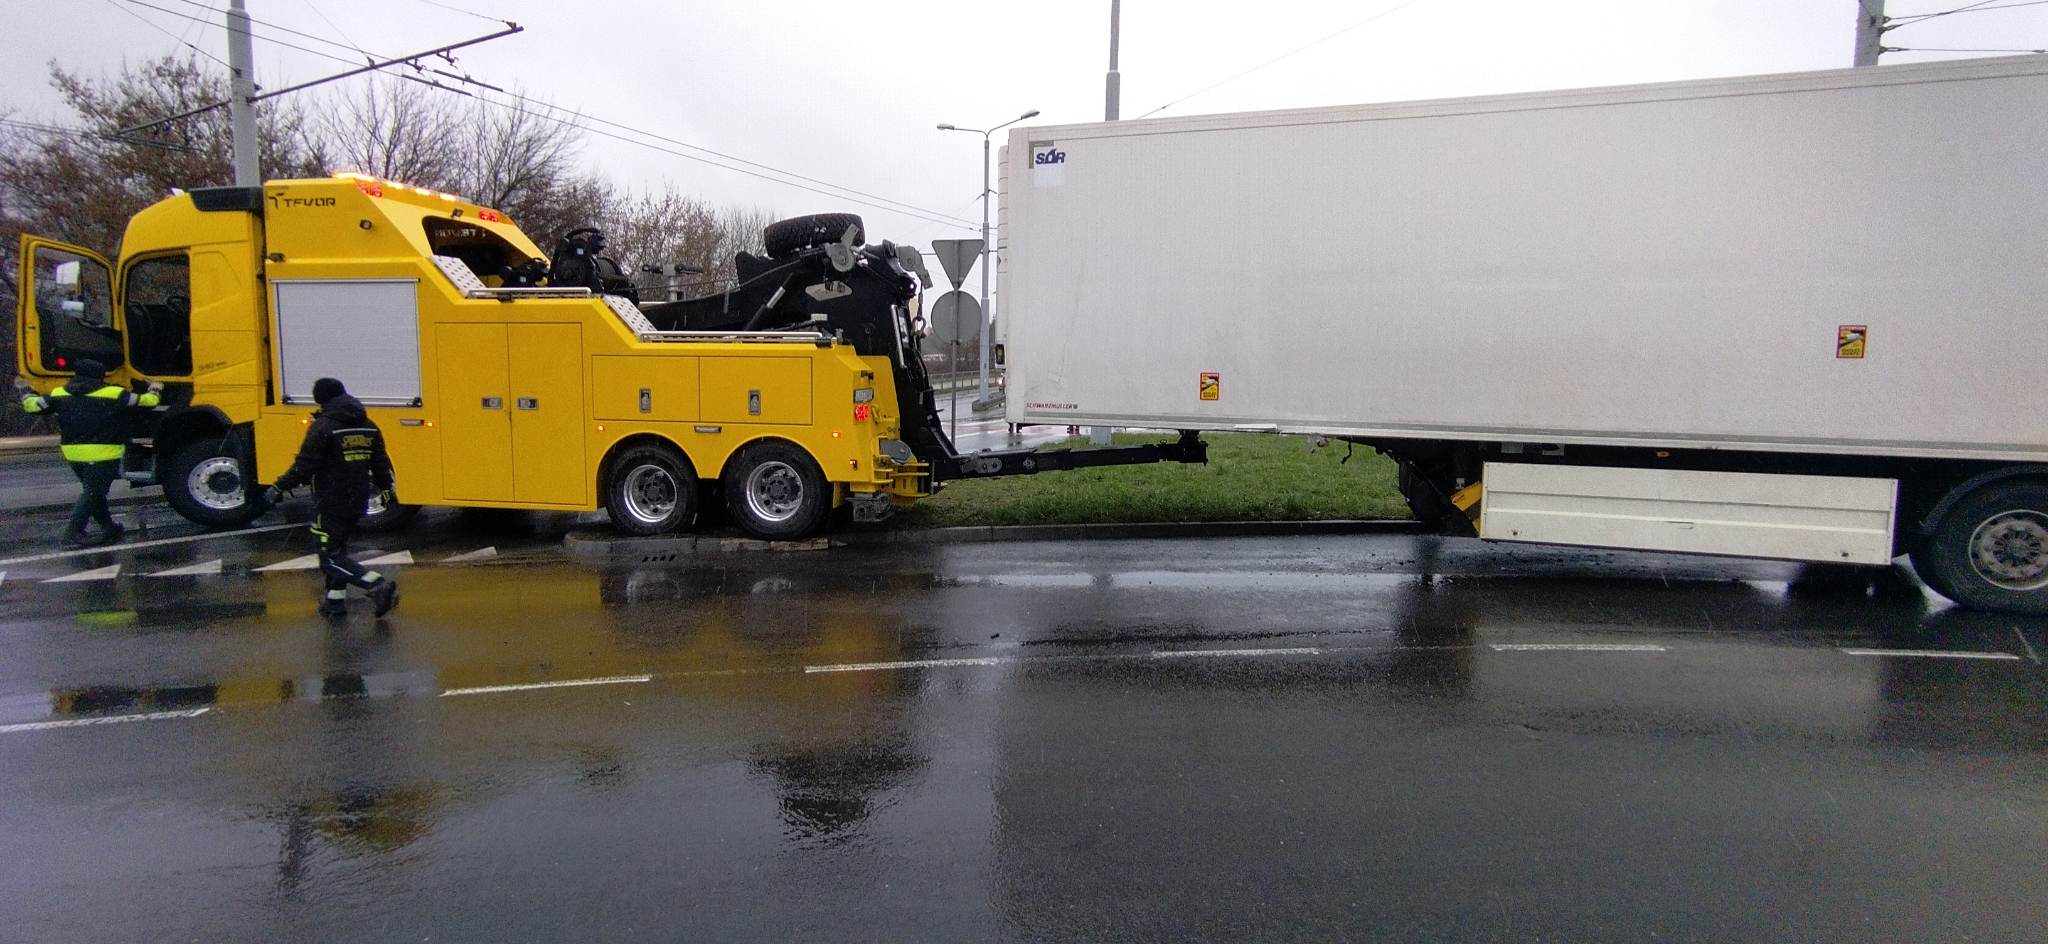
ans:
(65, 310)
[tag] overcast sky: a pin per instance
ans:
(850, 92)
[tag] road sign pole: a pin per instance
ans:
(953, 370)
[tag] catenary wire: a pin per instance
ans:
(864, 198)
(1292, 52)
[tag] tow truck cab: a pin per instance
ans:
(492, 390)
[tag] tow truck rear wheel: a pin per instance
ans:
(206, 484)
(776, 492)
(651, 489)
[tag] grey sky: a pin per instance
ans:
(850, 93)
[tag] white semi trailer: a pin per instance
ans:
(1795, 316)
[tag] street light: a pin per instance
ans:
(987, 245)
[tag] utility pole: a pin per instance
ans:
(1112, 85)
(241, 91)
(1869, 31)
(1112, 95)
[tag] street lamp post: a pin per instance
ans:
(987, 245)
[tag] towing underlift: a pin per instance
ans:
(819, 274)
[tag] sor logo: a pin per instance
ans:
(1049, 156)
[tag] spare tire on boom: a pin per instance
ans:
(802, 232)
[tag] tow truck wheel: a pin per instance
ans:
(776, 492)
(380, 517)
(206, 484)
(651, 489)
(1990, 551)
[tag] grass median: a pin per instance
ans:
(1250, 477)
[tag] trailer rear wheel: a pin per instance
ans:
(802, 232)
(206, 484)
(776, 492)
(1990, 551)
(651, 489)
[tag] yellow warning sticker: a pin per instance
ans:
(1850, 340)
(1212, 386)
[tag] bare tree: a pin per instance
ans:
(396, 130)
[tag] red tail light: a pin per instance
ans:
(862, 413)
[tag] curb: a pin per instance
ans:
(26, 445)
(599, 546)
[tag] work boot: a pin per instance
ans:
(384, 596)
(113, 535)
(333, 607)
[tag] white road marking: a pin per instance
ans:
(1177, 653)
(108, 572)
(2024, 644)
(482, 553)
(1577, 647)
(161, 542)
(402, 557)
(913, 664)
(3, 577)
(307, 562)
(1933, 654)
(208, 569)
(109, 719)
(535, 686)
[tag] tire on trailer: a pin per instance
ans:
(802, 232)
(379, 517)
(207, 485)
(776, 492)
(651, 488)
(1990, 550)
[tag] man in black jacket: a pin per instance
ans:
(92, 425)
(343, 456)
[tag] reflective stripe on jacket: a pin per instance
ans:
(92, 417)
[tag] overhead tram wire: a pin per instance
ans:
(864, 198)
(1396, 8)
(1950, 49)
(480, 16)
(152, 24)
(1898, 21)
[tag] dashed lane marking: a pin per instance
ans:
(482, 553)
(307, 562)
(105, 719)
(402, 557)
(911, 664)
(208, 569)
(160, 542)
(1577, 647)
(1933, 654)
(108, 572)
(535, 686)
(1179, 653)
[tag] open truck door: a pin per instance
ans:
(65, 312)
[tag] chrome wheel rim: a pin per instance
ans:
(651, 494)
(2010, 550)
(775, 491)
(216, 483)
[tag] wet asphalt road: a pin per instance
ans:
(1362, 738)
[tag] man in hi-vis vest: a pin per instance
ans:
(92, 425)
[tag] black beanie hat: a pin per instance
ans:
(325, 389)
(90, 369)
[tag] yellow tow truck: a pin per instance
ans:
(502, 379)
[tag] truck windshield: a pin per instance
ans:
(158, 303)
